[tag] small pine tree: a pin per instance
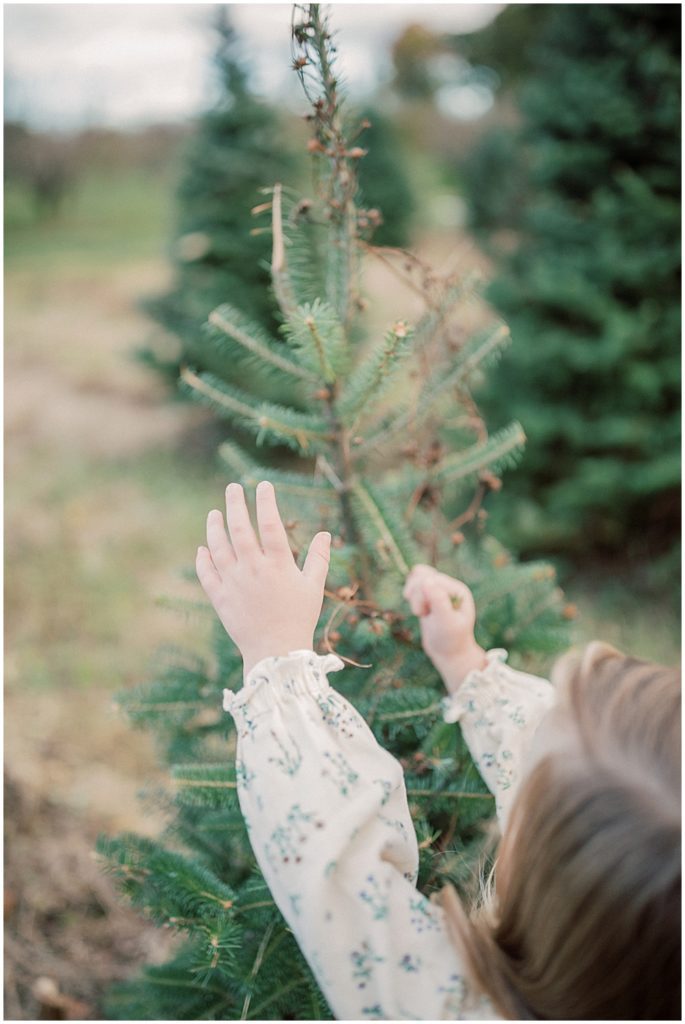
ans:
(592, 288)
(380, 450)
(238, 146)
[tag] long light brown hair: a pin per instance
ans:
(582, 917)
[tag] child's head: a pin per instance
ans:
(584, 919)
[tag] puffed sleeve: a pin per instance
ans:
(326, 810)
(499, 709)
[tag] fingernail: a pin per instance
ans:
(264, 483)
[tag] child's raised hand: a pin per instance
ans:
(267, 605)
(447, 616)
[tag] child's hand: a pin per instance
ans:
(267, 605)
(447, 615)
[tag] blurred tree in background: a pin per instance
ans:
(506, 43)
(383, 179)
(495, 172)
(412, 56)
(239, 145)
(389, 438)
(589, 188)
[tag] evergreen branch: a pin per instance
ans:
(177, 694)
(183, 983)
(498, 452)
(277, 995)
(170, 884)
(255, 967)
(451, 794)
(276, 424)
(333, 159)
(204, 784)
(169, 705)
(279, 277)
(375, 373)
(300, 236)
(410, 713)
(389, 531)
(316, 334)
(477, 353)
(548, 602)
(249, 473)
(472, 356)
(254, 906)
(231, 322)
(511, 580)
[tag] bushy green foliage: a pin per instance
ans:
(494, 178)
(376, 463)
(591, 289)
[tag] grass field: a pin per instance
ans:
(107, 486)
(106, 220)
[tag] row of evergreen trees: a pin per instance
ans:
(383, 438)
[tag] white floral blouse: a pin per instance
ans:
(326, 810)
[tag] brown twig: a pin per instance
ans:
(472, 510)
(329, 645)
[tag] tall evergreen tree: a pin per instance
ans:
(391, 433)
(217, 254)
(592, 289)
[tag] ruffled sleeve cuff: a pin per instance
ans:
(483, 685)
(296, 673)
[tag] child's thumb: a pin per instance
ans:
(318, 558)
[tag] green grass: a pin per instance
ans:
(118, 537)
(620, 611)
(108, 219)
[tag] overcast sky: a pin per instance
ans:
(68, 65)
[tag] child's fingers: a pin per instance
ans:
(419, 572)
(207, 574)
(417, 601)
(438, 600)
(271, 529)
(318, 558)
(243, 536)
(418, 575)
(413, 595)
(219, 548)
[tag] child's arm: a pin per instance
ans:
(325, 805)
(499, 708)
